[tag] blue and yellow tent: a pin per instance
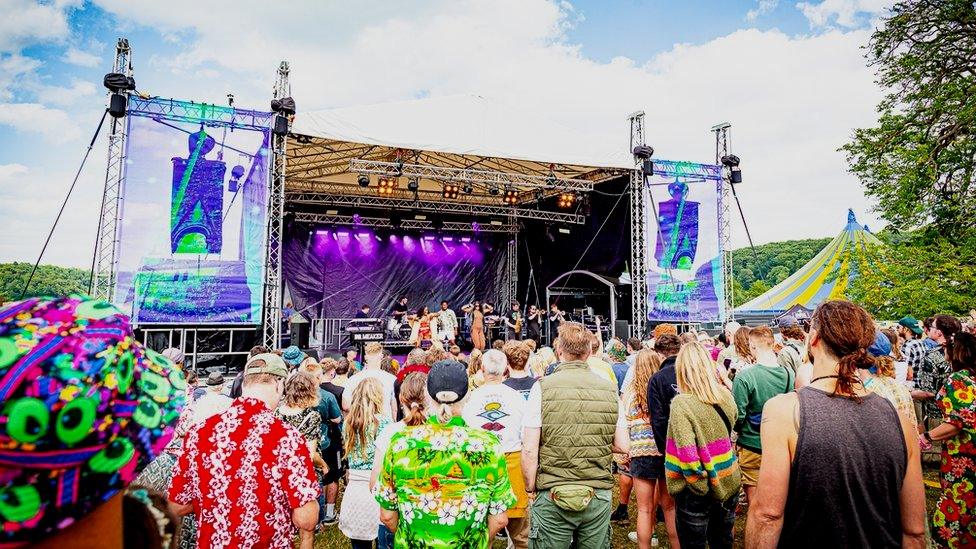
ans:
(824, 277)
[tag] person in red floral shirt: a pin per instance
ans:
(246, 474)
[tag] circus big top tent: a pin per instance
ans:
(823, 277)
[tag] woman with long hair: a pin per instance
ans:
(700, 466)
(299, 409)
(477, 324)
(360, 513)
(423, 330)
(840, 467)
(646, 461)
(955, 514)
(902, 372)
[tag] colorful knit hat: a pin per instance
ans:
(84, 408)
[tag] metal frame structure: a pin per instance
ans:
(107, 241)
(188, 339)
(486, 178)
(638, 244)
(334, 194)
(275, 232)
(723, 139)
(406, 224)
(512, 273)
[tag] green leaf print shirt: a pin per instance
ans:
(444, 480)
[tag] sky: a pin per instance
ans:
(790, 77)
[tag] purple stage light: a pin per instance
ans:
(333, 235)
(448, 239)
(428, 238)
(343, 233)
(466, 239)
(357, 219)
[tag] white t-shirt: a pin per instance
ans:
(533, 414)
(499, 409)
(386, 378)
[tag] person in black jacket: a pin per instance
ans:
(660, 390)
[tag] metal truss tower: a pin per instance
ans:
(723, 140)
(107, 242)
(512, 282)
(638, 219)
(275, 231)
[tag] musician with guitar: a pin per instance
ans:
(513, 323)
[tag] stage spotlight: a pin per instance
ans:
(644, 153)
(357, 220)
(450, 191)
(420, 217)
(398, 169)
(731, 162)
(511, 197)
(468, 189)
(551, 179)
(363, 180)
(492, 190)
(118, 84)
(496, 223)
(563, 230)
(475, 227)
(331, 212)
(413, 184)
(566, 201)
(386, 185)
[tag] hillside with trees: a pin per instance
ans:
(48, 280)
(772, 263)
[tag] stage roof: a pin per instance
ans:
(824, 277)
(458, 131)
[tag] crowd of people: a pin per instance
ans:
(814, 432)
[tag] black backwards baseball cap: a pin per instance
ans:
(447, 381)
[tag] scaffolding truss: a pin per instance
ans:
(638, 219)
(722, 144)
(405, 224)
(214, 116)
(107, 240)
(489, 179)
(327, 194)
(275, 231)
(512, 273)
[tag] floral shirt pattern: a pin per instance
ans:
(244, 471)
(444, 479)
(362, 458)
(955, 512)
(931, 377)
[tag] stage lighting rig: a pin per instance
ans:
(731, 162)
(386, 186)
(511, 197)
(363, 180)
(468, 189)
(644, 153)
(450, 191)
(119, 84)
(284, 110)
(493, 190)
(413, 184)
(566, 201)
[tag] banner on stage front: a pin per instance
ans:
(684, 255)
(191, 242)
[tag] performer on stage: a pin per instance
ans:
(477, 324)
(555, 318)
(513, 323)
(448, 323)
(533, 324)
(400, 310)
(363, 312)
(424, 331)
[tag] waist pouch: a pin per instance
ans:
(572, 497)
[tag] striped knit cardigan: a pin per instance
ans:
(699, 453)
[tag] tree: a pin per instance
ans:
(49, 280)
(919, 162)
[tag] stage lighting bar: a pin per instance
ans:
(475, 177)
(405, 224)
(671, 169)
(451, 192)
(511, 197)
(216, 116)
(386, 186)
(566, 201)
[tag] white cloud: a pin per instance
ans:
(81, 58)
(10, 171)
(762, 8)
(843, 13)
(54, 124)
(25, 22)
(63, 96)
(15, 70)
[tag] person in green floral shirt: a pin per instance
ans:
(954, 519)
(443, 483)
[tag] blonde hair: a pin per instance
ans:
(516, 354)
(474, 362)
(413, 398)
(696, 376)
(302, 391)
(312, 368)
(647, 364)
(373, 348)
(360, 424)
(574, 340)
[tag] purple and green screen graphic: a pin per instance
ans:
(194, 206)
(684, 281)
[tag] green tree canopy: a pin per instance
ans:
(48, 280)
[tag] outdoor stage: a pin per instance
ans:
(457, 198)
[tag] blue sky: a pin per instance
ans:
(789, 76)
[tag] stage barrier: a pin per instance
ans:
(191, 242)
(684, 269)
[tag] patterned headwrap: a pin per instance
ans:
(617, 351)
(85, 408)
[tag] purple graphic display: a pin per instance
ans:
(332, 272)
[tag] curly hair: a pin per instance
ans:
(517, 354)
(301, 391)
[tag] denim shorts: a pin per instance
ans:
(647, 467)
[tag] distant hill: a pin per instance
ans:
(48, 280)
(772, 264)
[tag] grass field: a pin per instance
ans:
(332, 538)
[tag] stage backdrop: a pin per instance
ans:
(684, 270)
(332, 272)
(194, 203)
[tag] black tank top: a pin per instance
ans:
(846, 475)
